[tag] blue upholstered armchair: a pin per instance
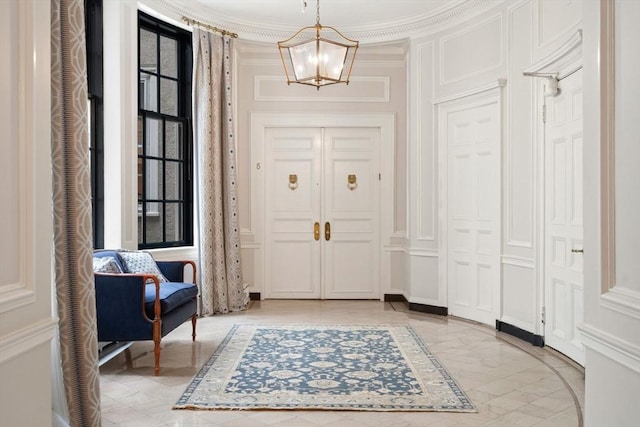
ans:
(140, 299)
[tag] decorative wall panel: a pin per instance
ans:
(475, 49)
(361, 89)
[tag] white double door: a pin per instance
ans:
(322, 213)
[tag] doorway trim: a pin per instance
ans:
(260, 121)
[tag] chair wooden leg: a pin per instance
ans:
(157, 337)
(156, 353)
(194, 318)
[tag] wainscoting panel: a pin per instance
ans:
(519, 148)
(519, 294)
(361, 89)
(475, 49)
(423, 274)
(553, 18)
(426, 150)
(24, 164)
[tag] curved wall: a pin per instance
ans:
(452, 64)
(407, 79)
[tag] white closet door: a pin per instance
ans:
(473, 144)
(336, 186)
(563, 219)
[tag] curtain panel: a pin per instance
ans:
(221, 286)
(71, 192)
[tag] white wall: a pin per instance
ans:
(452, 63)
(377, 89)
(120, 123)
(611, 329)
(457, 62)
(519, 296)
(27, 325)
(421, 243)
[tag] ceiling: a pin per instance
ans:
(369, 21)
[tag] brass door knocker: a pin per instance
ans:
(293, 181)
(352, 182)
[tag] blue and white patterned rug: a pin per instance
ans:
(361, 368)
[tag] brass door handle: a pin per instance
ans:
(577, 251)
(316, 231)
(327, 231)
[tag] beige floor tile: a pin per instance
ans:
(563, 419)
(504, 404)
(510, 382)
(519, 419)
(521, 396)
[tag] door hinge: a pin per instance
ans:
(543, 315)
(379, 177)
(544, 113)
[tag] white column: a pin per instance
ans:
(611, 329)
(120, 20)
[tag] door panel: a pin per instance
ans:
(563, 219)
(292, 267)
(351, 267)
(473, 141)
(336, 184)
(349, 274)
(292, 263)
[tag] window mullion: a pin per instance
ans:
(144, 195)
(164, 180)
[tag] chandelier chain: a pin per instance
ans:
(318, 12)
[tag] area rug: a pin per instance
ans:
(359, 368)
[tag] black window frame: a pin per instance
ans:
(95, 89)
(183, 79)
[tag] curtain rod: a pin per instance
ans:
(190, 21)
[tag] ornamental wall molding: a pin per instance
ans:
(418, 25)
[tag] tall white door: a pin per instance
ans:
(322, 207)
(292, 201)
(473, 200)
(563, 219)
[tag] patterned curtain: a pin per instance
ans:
(221, 286)
(72, 213)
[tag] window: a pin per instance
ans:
(93, 32)
(165, 189)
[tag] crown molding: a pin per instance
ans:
(451, 14)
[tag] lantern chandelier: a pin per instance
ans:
(318, 55)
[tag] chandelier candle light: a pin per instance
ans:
(318, 55)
